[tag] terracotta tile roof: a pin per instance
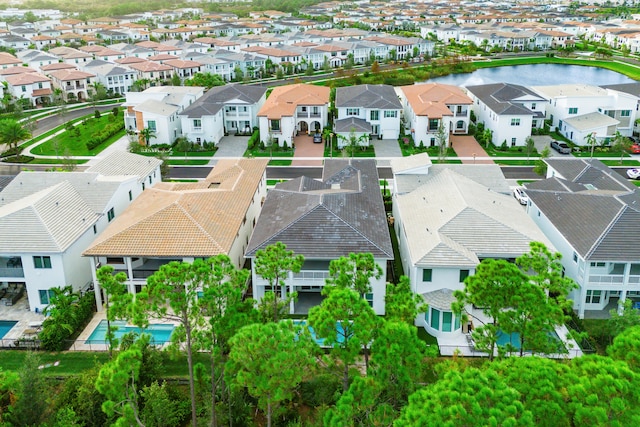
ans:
(130, 60)
(185, 219)
(25, 79)
(58, 66)
(284, 100)
(161, 57)
(182, 63)
(7, 58)
(16, 70)
(148, 66)
(64, 75)
(432, 99)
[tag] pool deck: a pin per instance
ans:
(28, 322)
(81, 343)
(460, 345)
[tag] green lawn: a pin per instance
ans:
(187, 162)
(268, 153)
(499, 161)
(77, 144)
(280, 163)
(56, 161)
(624, 162)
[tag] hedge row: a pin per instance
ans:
(253, 139)
(57, 332)
(105, 133)
(11, 152)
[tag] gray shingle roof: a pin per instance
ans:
(216, 97)
(352, 124)
(368, 96)
(589, 172)
(326, 220)
(502, 97)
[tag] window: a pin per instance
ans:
(369, 298)
(197, 123)
(593, 297)
(390, 113)
(151, 124)
(533, 106)
(515, 122)
(24, 88)
(143, 186)
(44, 296)
(427, 274)
(447, 317)
(513, 142)
(110, 215)
(597, 264)
(42, 262)
(625, 113)
(463, 275)
(40, 85)
(95, 229)
(434, 124)
(435, 319)
(375, 114)
(275, 125)
(573, 110)
(575, 257)
(130, 196)
(353, 111)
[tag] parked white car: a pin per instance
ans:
(633, 173)
(520, 195)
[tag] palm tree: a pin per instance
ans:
(12, 132)
(147, 134)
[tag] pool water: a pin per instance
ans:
(5, 326)
(320, 341)
(514, 339)
(160, 333)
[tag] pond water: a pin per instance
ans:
(536, 75)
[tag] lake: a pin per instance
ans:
(536, 75)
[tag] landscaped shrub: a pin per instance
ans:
(253, 139)
(105, 133)
(18, 159)
(68, 315)
(11, 152)
(96, 114)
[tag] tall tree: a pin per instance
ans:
(118, 382)
(206, 80)
(347, 323)
(222, 301)
(361, 406)
(401, 303)
(620, 143)
(441, 140)
(31, 393)
(529, 146)
(622, 318)
(491, 288)
(115, 299)
(270, 360)
(541, 167)
(354, 272)
(626, 346)
(172, 293)
(12, 132)
(273, 264)
(472, 397)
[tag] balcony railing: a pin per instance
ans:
(311, 276)
(11, 272)
(613, 279)
(462, 113)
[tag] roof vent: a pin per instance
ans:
(335, 186)
(214, 185)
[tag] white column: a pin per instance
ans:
(130, 285)
(583, 299)
(96, 285)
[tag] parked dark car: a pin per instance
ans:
(317, 138)
(560, 147)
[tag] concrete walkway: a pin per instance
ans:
(468, 150)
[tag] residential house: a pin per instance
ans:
(291, 109)
(75, 84)
(158, 109)
(373, 110)
(115, 79)
(7, 60)
(48, 218)
(578, 110)
(152, 72)
(590, 214)
(448, 218)
(324, 220)
(433, 106)
(29, 85)
(15, 42)
(509, 111)
(223, 110)
(36, 59)
(184, 221)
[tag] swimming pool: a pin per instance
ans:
(514, 340)
(160, 333)
(320, 341)
(5, 326)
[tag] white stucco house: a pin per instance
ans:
(579, 109)
(448, 218)
(47, 219)
(324, 220)
(227, 109)
(430, 106)
(510, 111)
(591, 215)
(292, 109)
(218, 214)
(373, 110)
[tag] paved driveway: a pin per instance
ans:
(230, 146)
(386, 149)
(468, 149)
(306, 151)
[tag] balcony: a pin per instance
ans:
(11, 267)
(612, 279)
(462, 113)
